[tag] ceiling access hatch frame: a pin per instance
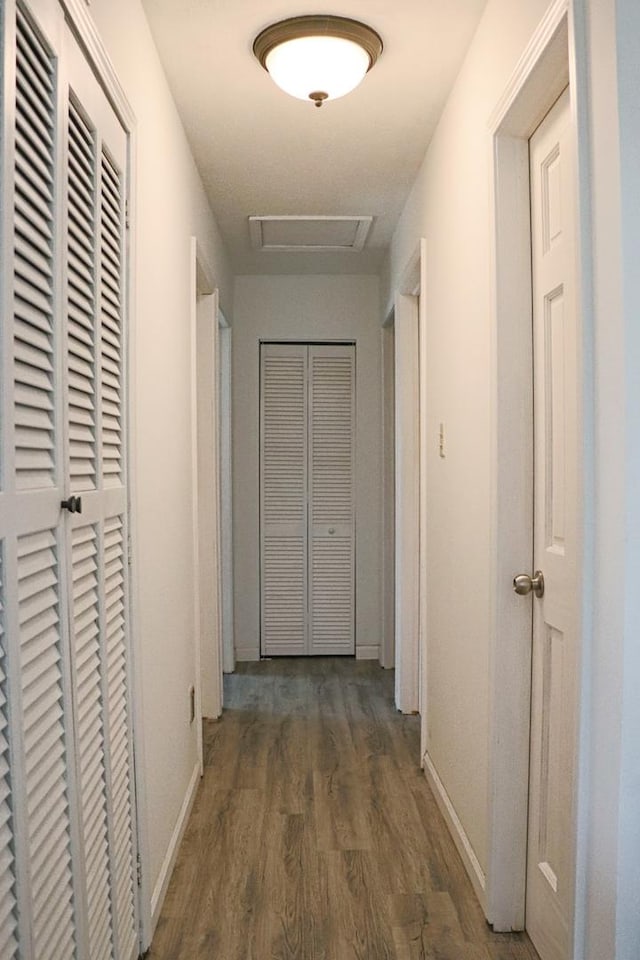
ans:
(309, 234)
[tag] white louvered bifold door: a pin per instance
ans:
(283, 499)
(306, 499)
(39, 915)
(67, 838)
(94, 295)
(331, 499)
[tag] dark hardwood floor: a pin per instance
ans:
(314, 834)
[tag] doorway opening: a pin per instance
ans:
(206, 493)
(409, 326)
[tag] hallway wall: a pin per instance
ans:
(171, 206)
(609, 825)
(449, 205)
(306, 308)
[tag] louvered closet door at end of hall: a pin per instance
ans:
(283, 499)
(331, 500)
(306, 499)
(67, 839)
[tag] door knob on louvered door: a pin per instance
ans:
(523, 584)
(73, 504)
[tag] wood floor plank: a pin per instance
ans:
(314, 834)
(358, 910)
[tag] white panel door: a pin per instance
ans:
(331, 500)
(307, 499)
(550, 888)
(68, 885)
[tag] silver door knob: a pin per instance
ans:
(523, 584)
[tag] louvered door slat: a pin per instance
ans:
(112, 219)
(48, 821)
(8, 888)
(332, 594)
(34, 145)
(33, 261)
(90, 737)
(32, 238)
(283, 483)
(81, 309)
(29, 221)
(121, 774)
(331, 549)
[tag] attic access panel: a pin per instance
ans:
(288, 234)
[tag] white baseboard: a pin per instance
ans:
(457, 831)
(160, 889)
(247, 654)
(371, 652)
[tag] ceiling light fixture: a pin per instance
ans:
(317, 57)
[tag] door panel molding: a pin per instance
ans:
(543, 71)
(410, 391)
(550, 871)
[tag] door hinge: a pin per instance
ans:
(129, 550)
(138, 869)
(127, 221)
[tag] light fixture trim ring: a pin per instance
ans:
(317, 25)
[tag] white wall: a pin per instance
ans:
(449, 205)
(306, 308)
(609, 864)
(170, 208)
(628, 77)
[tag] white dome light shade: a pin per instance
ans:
(330, 65)
(317, 57)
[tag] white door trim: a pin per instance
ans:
(387, 344)
(544, 70)
(410, 486)
(195, 282)
(205, 495)
(226, 492)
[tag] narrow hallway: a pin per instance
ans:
(314, 834)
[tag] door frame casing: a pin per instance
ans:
(388, 645)
(409, 314)
(226, 490)
(549, 63)
(205, 494)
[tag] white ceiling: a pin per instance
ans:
(263, 153)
